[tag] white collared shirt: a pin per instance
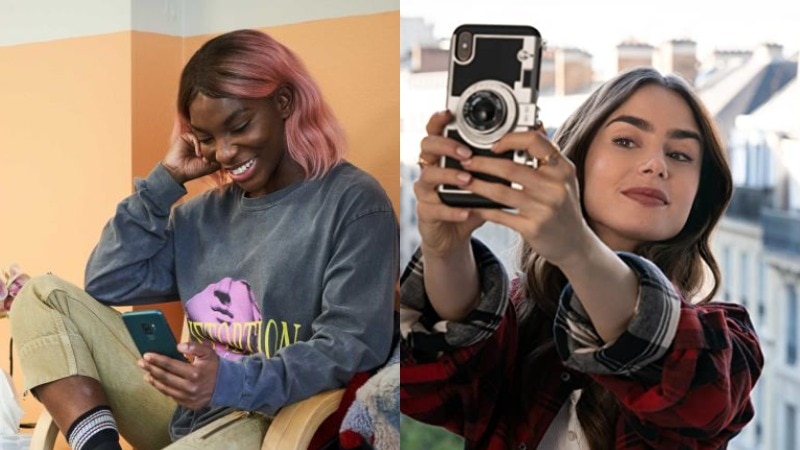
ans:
(565, 433)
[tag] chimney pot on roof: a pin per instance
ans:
(769, 51)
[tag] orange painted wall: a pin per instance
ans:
(355, 61)
(65, 116)
(65, 159)
(81, 117)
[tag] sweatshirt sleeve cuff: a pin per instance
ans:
(160, 188)
(238, 382)
(230, 379)
(646, 340)
(423, 330)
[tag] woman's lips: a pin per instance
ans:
(243, 171)
(647, 196)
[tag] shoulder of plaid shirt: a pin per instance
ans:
(682, 373)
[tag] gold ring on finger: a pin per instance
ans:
(422, 163)
(552, 159)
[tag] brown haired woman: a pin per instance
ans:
(597, 344)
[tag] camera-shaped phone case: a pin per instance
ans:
(492, 90)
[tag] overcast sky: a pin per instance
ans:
(598, 26)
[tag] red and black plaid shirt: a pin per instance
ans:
(682, 374)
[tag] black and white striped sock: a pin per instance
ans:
(94, 429)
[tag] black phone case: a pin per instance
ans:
(151, 333)
(495, 56)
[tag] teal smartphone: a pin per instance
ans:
(151, 333)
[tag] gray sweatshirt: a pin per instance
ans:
(294, 288)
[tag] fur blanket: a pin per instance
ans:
(373, 420)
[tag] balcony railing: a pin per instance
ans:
(747, 202)
(781, 230)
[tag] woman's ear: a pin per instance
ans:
(284, 100)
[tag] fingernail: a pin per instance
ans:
(466, 162)
(463, 215)
(463, 151)
(140, 363)
(465, 177)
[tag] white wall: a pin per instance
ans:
(24, 21)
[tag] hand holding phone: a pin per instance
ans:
(493, 87)
(151, 333)
(190, 385)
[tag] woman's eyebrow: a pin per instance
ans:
(644, 125)
(684, 134)
(638, 122)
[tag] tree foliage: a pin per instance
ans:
(418, 436)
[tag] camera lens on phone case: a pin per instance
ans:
(464, 50)
(484, 111)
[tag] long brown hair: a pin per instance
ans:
(682, 258)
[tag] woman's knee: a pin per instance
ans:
(41, 297)
(36, 290)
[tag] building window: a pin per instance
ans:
(739, 164)
(794, 194)
(791, 325)
(790, 158)
(762, 290)
(744, 279)
(764, 166)
(759, 400)
(751, 164)
(790, 428)
(727, 272)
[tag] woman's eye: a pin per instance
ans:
(680, 156)
(204, 141)
(241, 127)
(624, 142)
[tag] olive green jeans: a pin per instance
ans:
(61, 331)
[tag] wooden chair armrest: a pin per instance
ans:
(45, 433)
(292, 428)
(295, 425)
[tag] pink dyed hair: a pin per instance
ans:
(249, 64)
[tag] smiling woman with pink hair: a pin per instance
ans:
(286, 271)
